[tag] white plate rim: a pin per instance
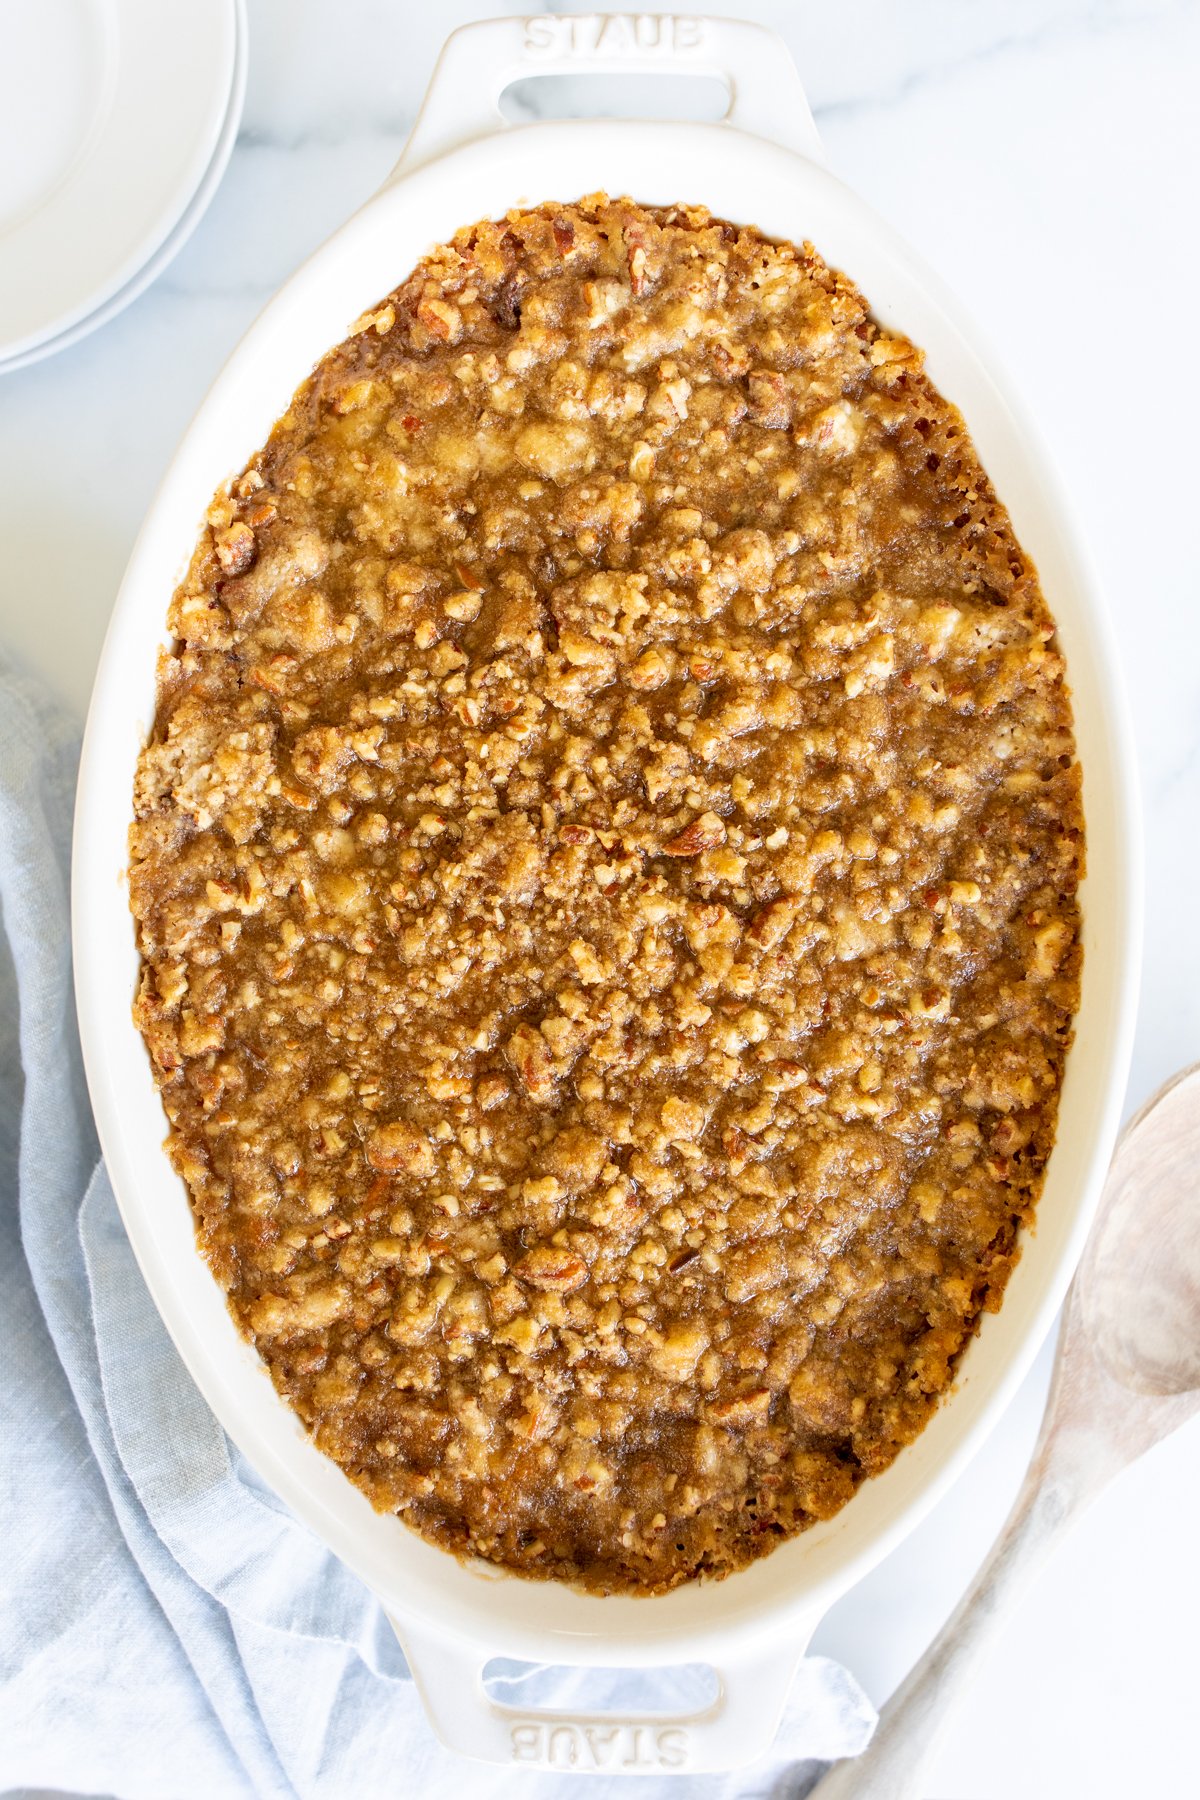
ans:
(79, 210)
(169, 249)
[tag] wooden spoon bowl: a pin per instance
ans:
(1139, 1282)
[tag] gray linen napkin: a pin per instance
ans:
(167, 1628)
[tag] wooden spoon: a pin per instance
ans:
(1127, 1373)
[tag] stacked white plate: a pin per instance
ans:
(117, 118)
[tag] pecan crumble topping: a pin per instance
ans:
(605, 873)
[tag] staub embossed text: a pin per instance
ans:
(600, 1744)
(602, 35)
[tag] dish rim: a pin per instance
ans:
(790, 1588)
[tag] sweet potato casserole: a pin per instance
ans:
(605, 872)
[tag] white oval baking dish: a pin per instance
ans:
(761, 165)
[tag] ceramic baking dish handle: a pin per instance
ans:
(477, 63)
(739, 1725)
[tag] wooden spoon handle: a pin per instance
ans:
(914, 1719)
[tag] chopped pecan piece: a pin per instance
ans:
(533, 1060)
(771, 924)
(557, 1271)
(769, 404)
(743, 1409)
(400, 1148)
(704, 833)
(234, 547)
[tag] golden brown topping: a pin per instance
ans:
(605, 873)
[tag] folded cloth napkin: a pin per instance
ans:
(167, 1628)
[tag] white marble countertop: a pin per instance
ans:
(1043, 155)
